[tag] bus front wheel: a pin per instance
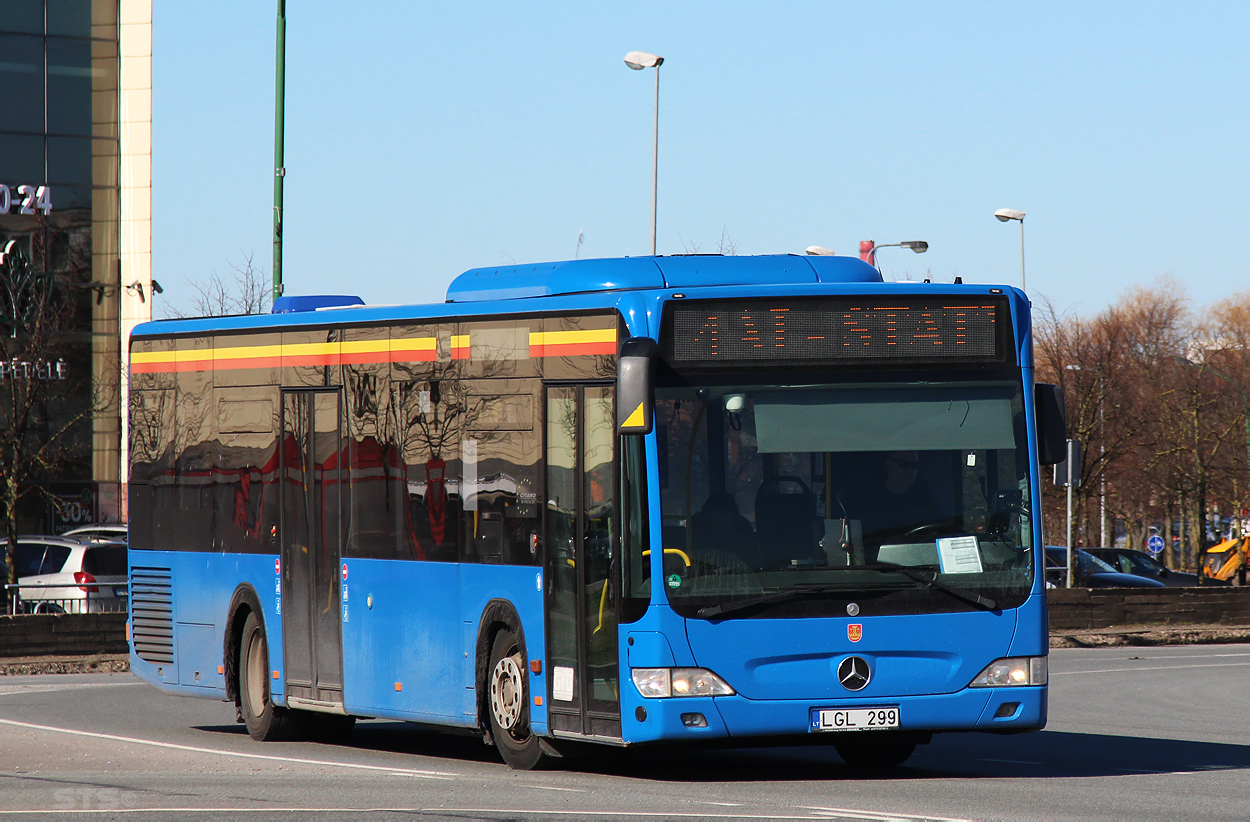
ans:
(508, 704)
(265, 721)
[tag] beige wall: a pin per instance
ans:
(135, 224)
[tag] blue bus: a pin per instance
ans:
(703, 499)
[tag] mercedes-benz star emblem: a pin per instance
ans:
(852, 609)
(854, 673)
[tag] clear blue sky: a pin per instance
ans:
(425, 138)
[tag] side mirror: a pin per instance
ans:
(1052, 423)
(635, 386)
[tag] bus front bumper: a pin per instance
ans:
(992, 710)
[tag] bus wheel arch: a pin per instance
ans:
(503, 690)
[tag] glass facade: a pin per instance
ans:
(59, 200)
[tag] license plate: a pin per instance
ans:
(883, 718)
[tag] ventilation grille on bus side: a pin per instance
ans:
(152, 614)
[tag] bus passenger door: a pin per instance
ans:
(310, 528)
(581, 548)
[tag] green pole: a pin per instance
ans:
(278, 127)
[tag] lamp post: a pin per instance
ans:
(279, 126)
(1102, 452)
(918, 246)
(1005, 214)
(639, 60)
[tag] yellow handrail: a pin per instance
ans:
(685, 557)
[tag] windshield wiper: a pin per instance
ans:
(929, 578)
(776, 597)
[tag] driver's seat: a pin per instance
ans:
(785, 522)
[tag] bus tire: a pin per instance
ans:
(872, 750)
(265, 721)
(507, 697)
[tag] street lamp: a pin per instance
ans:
(918, 246)
(1005, 214)
(1102, 452)
(639, 60)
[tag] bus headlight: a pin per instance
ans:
(653, 683)
(1011, 671)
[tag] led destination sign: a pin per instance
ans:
(838, 329)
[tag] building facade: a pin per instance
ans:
(75, 229)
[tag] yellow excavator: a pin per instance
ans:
(1228, 558)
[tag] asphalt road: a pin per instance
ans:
(1134, 733)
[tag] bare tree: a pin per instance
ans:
(726, 245)
(245, 291)
(1159, 398)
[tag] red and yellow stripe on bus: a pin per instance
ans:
(349, 352)
(356, 352)
(567, 343)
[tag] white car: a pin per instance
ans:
(100, 532)
(57, 575)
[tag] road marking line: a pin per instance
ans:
(1152, 668)
(238, 754)
(554, 788)
(1189, 656)
(513, 812)
(855, 813)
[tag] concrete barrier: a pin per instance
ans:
(62, 635)
(1092, 608)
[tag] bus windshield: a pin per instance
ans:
(829, 499)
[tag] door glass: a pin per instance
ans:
(311, 545)
(561, 531)
(326, 470)
(295, 535)
(599, 547)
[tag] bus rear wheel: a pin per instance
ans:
(507, 697)
(265, 721)
(871, 750)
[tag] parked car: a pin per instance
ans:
(1144, 565)
(1091, 572)
(100, 532)
(59, 575)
